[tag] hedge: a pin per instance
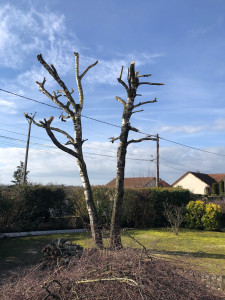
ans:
(141, 207)
(25, 207)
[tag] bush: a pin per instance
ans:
(215, 188)
(212, 217)
(203, 216)
(26, 206)
(221, 187)
(194, 214)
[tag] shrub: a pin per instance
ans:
(221, 187)
(212, 217)
(26, 206)
(215, 188)
(194, 214)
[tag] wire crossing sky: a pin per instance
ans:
(181, 43)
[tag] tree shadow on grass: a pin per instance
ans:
(190, 254)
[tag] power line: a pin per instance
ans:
(96, 154)
(43, 103)
(111, 124)
(46, 145)
(206, 151)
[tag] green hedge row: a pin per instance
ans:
(25, 207)
(141, 207)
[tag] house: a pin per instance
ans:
(139, 182)
(198, 183)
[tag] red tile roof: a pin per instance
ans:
(218, 177)
(139, 182)
(207, 178)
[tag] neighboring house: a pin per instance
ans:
(139, 182)
(198, 183)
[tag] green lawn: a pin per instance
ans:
(202, 250)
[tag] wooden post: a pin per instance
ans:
(27, 148)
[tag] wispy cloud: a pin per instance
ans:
(7, 107)
(219, 125)
(107, 71)
(184, 129)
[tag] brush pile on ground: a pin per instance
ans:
(60, 252)
(105, 274)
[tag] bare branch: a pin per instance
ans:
(140, 140)
(52, 71)
(123, 84)
(58, 91)
(56, 142)
(151, 83)
(114, 139)
(88, 68)
(121, 101)
(121, 72)
(147, 75)
(63, 132)
(79, 86)
(54, 97)
(83, 141)
(134, 129)
(146, 102)
(62, 117)
(133, 112)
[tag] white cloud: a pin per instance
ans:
(7, 107)
(58, 167)
(45, 32)
(107, 71)
(183, 128)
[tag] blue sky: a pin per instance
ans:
(181, 43)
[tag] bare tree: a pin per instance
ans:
(174, 215)
(128, 109)
(71, 110)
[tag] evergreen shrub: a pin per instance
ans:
(195, 210)
(203, 216)
(212, 217)
(221, 187)
(215, 188)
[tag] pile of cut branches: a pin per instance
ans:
(104, 274)
(60, 252)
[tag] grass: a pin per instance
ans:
(202, 250)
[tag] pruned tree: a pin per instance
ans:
(19, 174)
(133, 82)
(174, 215)
(72, 110)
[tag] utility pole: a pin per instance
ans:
(27, 148)
(157, 160)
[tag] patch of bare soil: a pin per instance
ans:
(122, 274)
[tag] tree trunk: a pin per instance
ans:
(92, 212)
(128, 106)
(115, 236)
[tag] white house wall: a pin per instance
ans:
(192, 183)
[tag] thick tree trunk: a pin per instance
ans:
(115, 236)
(92, 212)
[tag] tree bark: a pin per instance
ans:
(128, 106)
(75, 114)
